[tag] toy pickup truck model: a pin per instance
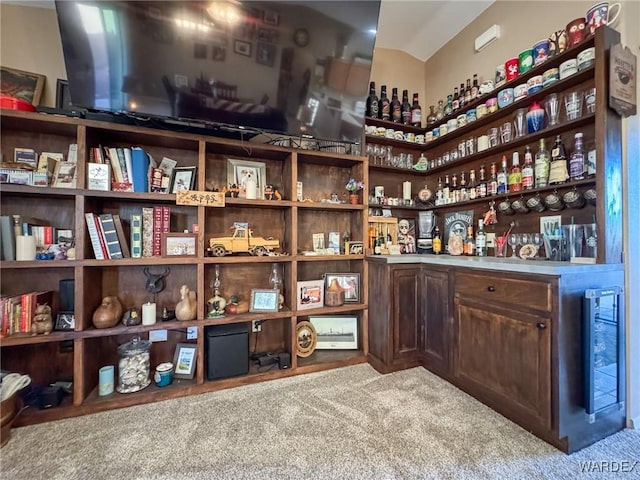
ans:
(242, 241)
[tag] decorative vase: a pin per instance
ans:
(354, 199)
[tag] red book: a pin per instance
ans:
(48, 235)
(157, 230)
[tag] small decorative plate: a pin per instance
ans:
(528, 250)
(306, 338)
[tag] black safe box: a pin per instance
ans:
(227, 350)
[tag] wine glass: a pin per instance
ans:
(514, 241)
(525, 238)
(537, 240)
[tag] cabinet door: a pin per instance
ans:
(504, 356)
(435, 335)
(406, 288)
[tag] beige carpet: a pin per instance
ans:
(349, 423)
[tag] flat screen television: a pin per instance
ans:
(289, 67)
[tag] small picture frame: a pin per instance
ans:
(354, 248)
(98, 176)
(26, 86)
(179, 244)
(310, 294)
(240, 171)
(318, 242)
(184, 360)
(64, 175)
(183, 178)
(264, 300)
(349, 281)
(242, 48)
(65, 321)
(335, 332)
(271, 18)
(266, 54)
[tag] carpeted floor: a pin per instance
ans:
(348, 423)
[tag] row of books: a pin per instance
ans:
(41, 170)
(16, 312)
(45, 234)
(129, 168)
(109, 240)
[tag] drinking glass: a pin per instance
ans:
(500, 246)
(520, 122)
(471, 146)
(573, 105)
(493, 137)
(536, 239)
(590, 100)
(552, 108)
(514, 241)
(505, 132)
(409, 162)
(369, 152)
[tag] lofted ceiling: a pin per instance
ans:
(417, 27)
(421, 27)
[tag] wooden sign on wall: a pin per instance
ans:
(622, 81)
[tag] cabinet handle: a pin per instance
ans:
(491, 288)
(541, 325)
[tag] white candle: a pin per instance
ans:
(251, 186)
(149, 313)
(406, 190)
(25, 248)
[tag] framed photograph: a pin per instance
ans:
(354, 248)
(179, 244)
(242, 48)
(184, 360)
(241, 171)
(64, 175)
(183, 178)
(264, 300)
(335, 332)
(20, 84)
(310, 294)
(63, 98)
(349, 281)
(271, 18)
(218, 53)
(65, 321)
(266, 54)
(318, 242)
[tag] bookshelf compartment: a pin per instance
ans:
(323, 222)
(45, 363)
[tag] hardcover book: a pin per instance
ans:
(97, 242)
(110, 236)
(136, 236)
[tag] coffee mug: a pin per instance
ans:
(575, 31)
(525, 61)
(536, 204)
(600, 14)
(504, 207)
(501, 75)
(554, 202)
(557, 42)
(540, 52)
(573, 199)
(520, 205)
(511, 69)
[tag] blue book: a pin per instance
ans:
(140, 165)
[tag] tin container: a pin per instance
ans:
(549, 77)
(505, 97)
(461, 120)
(481, 111)
(586, 58)
(164, 374)
(519, 92)
(568, 68)
(471, 115)
(492, 105)
(534, 84)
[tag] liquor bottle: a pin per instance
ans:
(372, 239)
(541, 167)
(439, 194)
(472, 187)
(492, 184)
(454, 193)
(461, 101)
(445, 189)
(382, 241)
(440, 110)
(396, 107)
(385, 104)
(475, 90)
(389, 240)
(448, 108)
(481, 190)
(405, 108)
(591, 162)
(431, 118)
(576, 162)
(558, 172)
(456, 99)
(416, 112)
(372, 102)
(464, 192)
(503, 177)
(437, 241)
(481, 240)
(469, 243)
(467, 92)
(527, 170)
(377, 249)
(515, 175)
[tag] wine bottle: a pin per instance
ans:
(372, 102)
(527, 170)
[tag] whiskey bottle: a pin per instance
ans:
(461, 101)
(503, 177)
(541, 168)
(445, 189)
(464, 192)
(481, 240)
(472, 187)
(372, 102)
(481, 190)
(416, 112)
(377, 248)
(492, 184)
(396, 107)
(467, 92)
(475, 91)
(406, 108)
(385, 104)
(576, 162)
(469, 243)
(437, 241)
(558, 172)
(439, 194)
(515, 175)
(527, 170)
(456, 99)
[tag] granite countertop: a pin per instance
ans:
(500, 264)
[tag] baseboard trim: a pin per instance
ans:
(633, 423)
